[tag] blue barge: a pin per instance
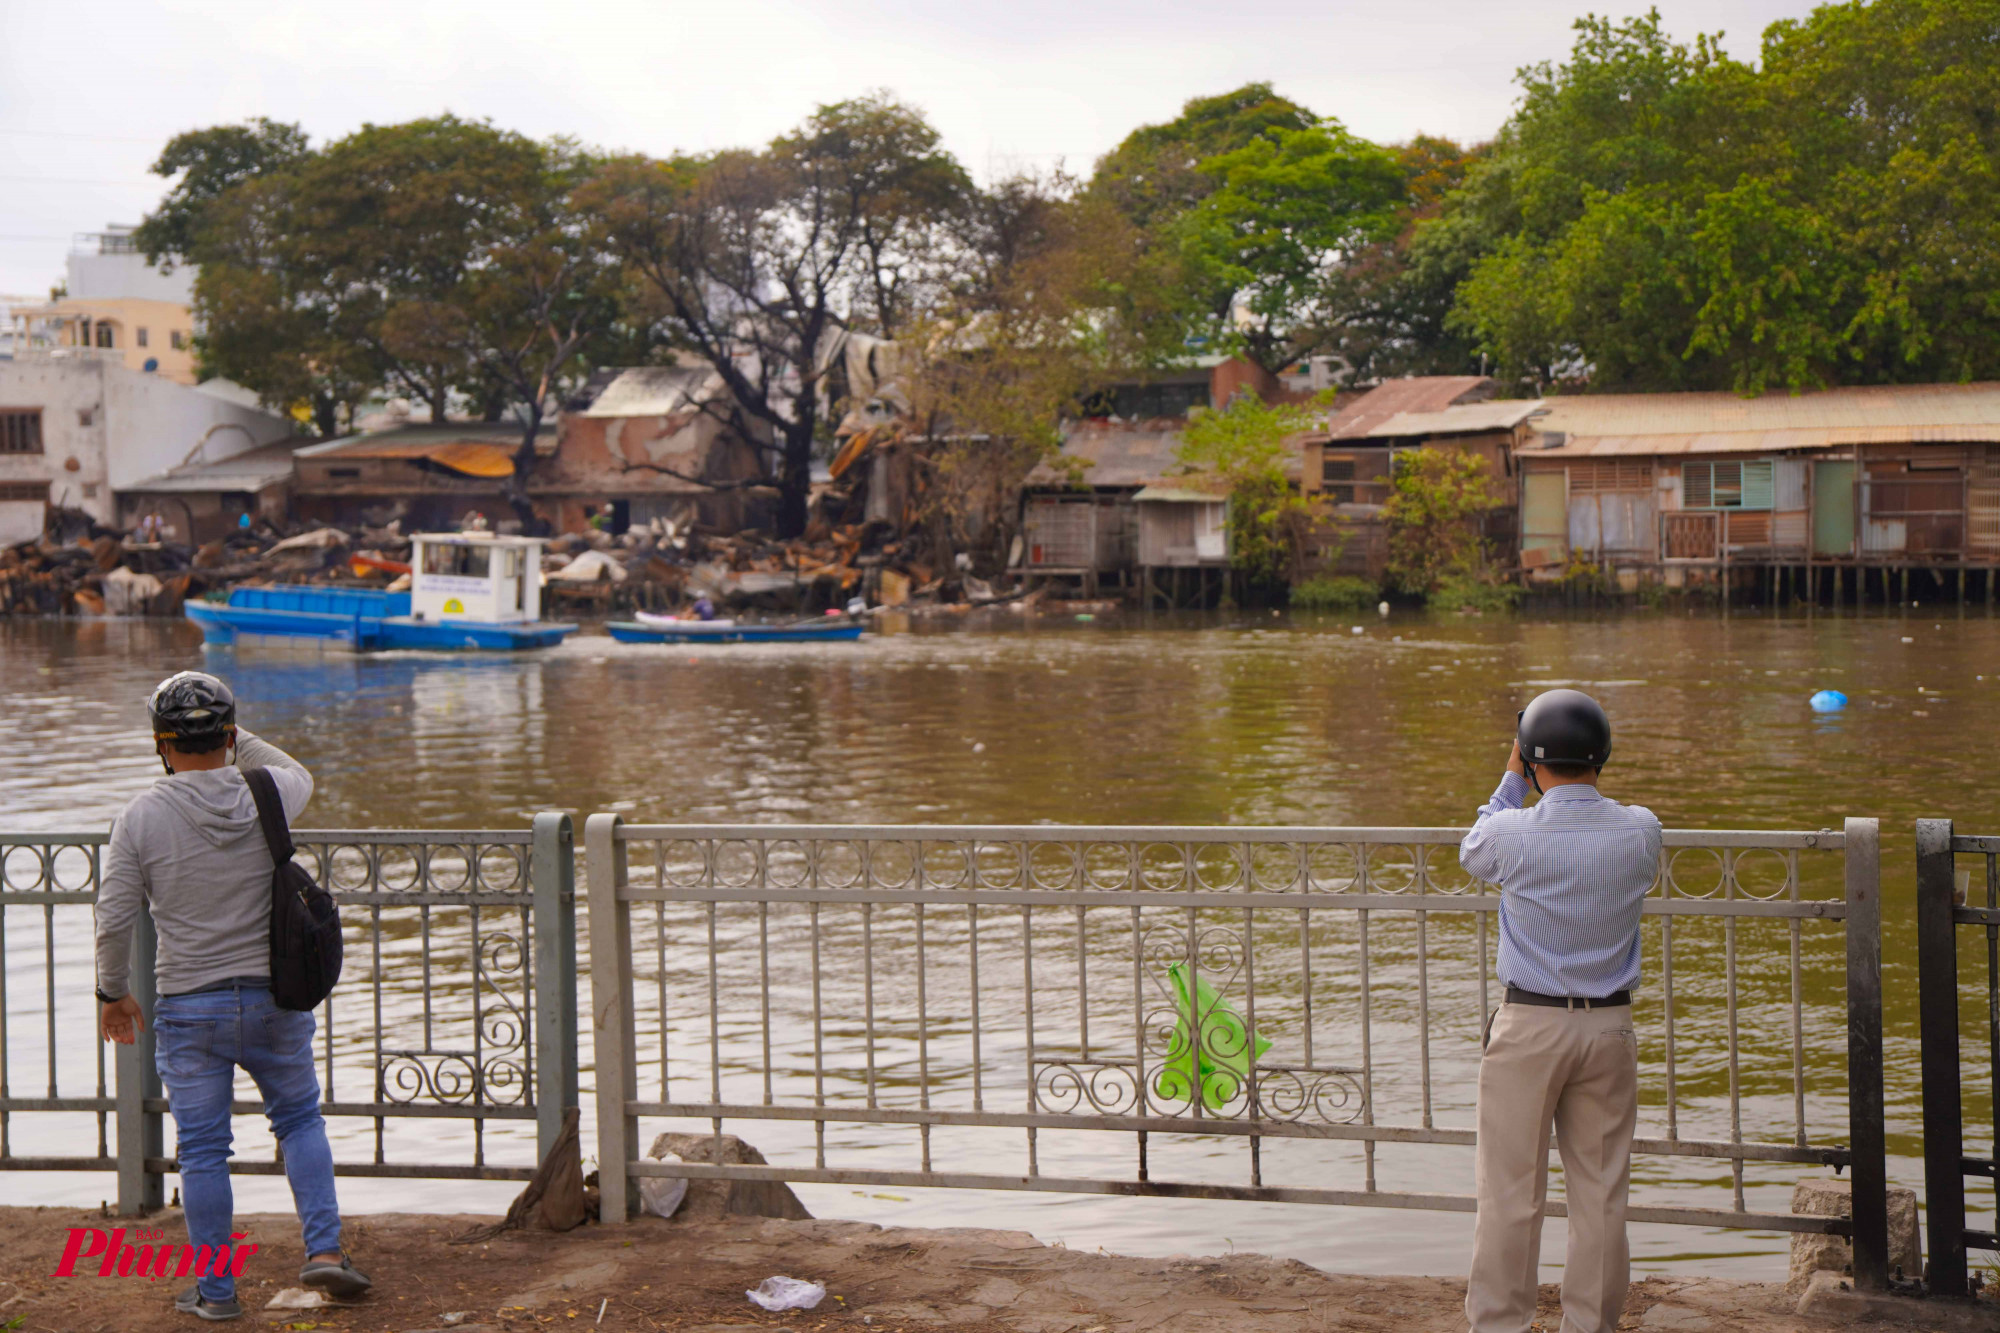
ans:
(469, 591)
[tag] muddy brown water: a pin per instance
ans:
(1245, 719)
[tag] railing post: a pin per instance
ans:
(552, 869)
(1937, 996)
(611, 1013)
(140, 1132)
(1867, 1133)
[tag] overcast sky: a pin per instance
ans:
(90, 91)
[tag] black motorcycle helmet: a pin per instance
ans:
(193, 710)
(1564, 727)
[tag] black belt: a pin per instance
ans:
(233, 983)
(1517, 996)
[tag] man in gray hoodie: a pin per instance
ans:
(191, 851)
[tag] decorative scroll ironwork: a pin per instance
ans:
(495, 1071)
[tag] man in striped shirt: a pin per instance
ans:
(1573, 871)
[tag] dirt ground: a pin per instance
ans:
(691, 1277)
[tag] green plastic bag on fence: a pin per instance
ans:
(1224, 1046)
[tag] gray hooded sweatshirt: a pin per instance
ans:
(190, 850)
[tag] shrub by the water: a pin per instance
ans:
(1460, 592)
(1344, 593)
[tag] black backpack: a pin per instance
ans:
(305, 925)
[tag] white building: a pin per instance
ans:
(77, 426)
(115, 301)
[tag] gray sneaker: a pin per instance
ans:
(342, 1281)
(191, 1302)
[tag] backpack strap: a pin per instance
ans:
(270, 813)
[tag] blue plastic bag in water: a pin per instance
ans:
(1828, 701)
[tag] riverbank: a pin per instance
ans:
(690, 1277)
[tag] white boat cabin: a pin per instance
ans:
(475, 576)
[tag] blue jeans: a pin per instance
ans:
(202, 1039)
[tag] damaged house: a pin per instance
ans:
(655, 443)
(637, 439)
(428, 477)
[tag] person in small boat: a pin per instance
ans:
(703, 609)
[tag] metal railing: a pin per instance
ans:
(1943, 905)
(1286, 1000)
(1256, 986)
(457, 1002)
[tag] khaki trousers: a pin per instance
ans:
(1579, 1070)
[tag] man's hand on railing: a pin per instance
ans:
(121, 1020)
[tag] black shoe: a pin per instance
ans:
(191, 1302)
(342, 1281)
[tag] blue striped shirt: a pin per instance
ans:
(1573, 872)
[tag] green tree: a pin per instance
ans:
(1658, 216)
(1292, 209)
(210, 163)
(1246, 446)
(1388, 305)
(1049, 302)
(267, 322)
(1251, 205)
(1436, 516)
(538, 306)
(1155, 175)
(394, 221)
(758, 262)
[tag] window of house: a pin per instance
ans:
(1338, 474)
(1590, 476)
(178, 339)
(20, 430)
(105, 335)
(34, 492)
(1726, 485)
(142, 337)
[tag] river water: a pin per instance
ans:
(1228, 719)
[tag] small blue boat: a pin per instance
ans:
(711, 631)
(469, 592)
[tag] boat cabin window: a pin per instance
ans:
(462, 561)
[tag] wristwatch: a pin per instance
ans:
(108, 999)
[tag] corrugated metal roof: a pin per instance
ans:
(655, 391)
(1464, 419)
(1117, 454)
(1722, 423)
(1126, 454)
(1424, 393)
(249, 471)
(480, 449)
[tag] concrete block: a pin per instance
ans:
(708, 1200)
(1833, 1254)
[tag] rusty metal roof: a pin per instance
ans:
(1464, 419)
(1116, 454)
(1121, 453)
(1723, 423)
(1424, 393)
(477, 449)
